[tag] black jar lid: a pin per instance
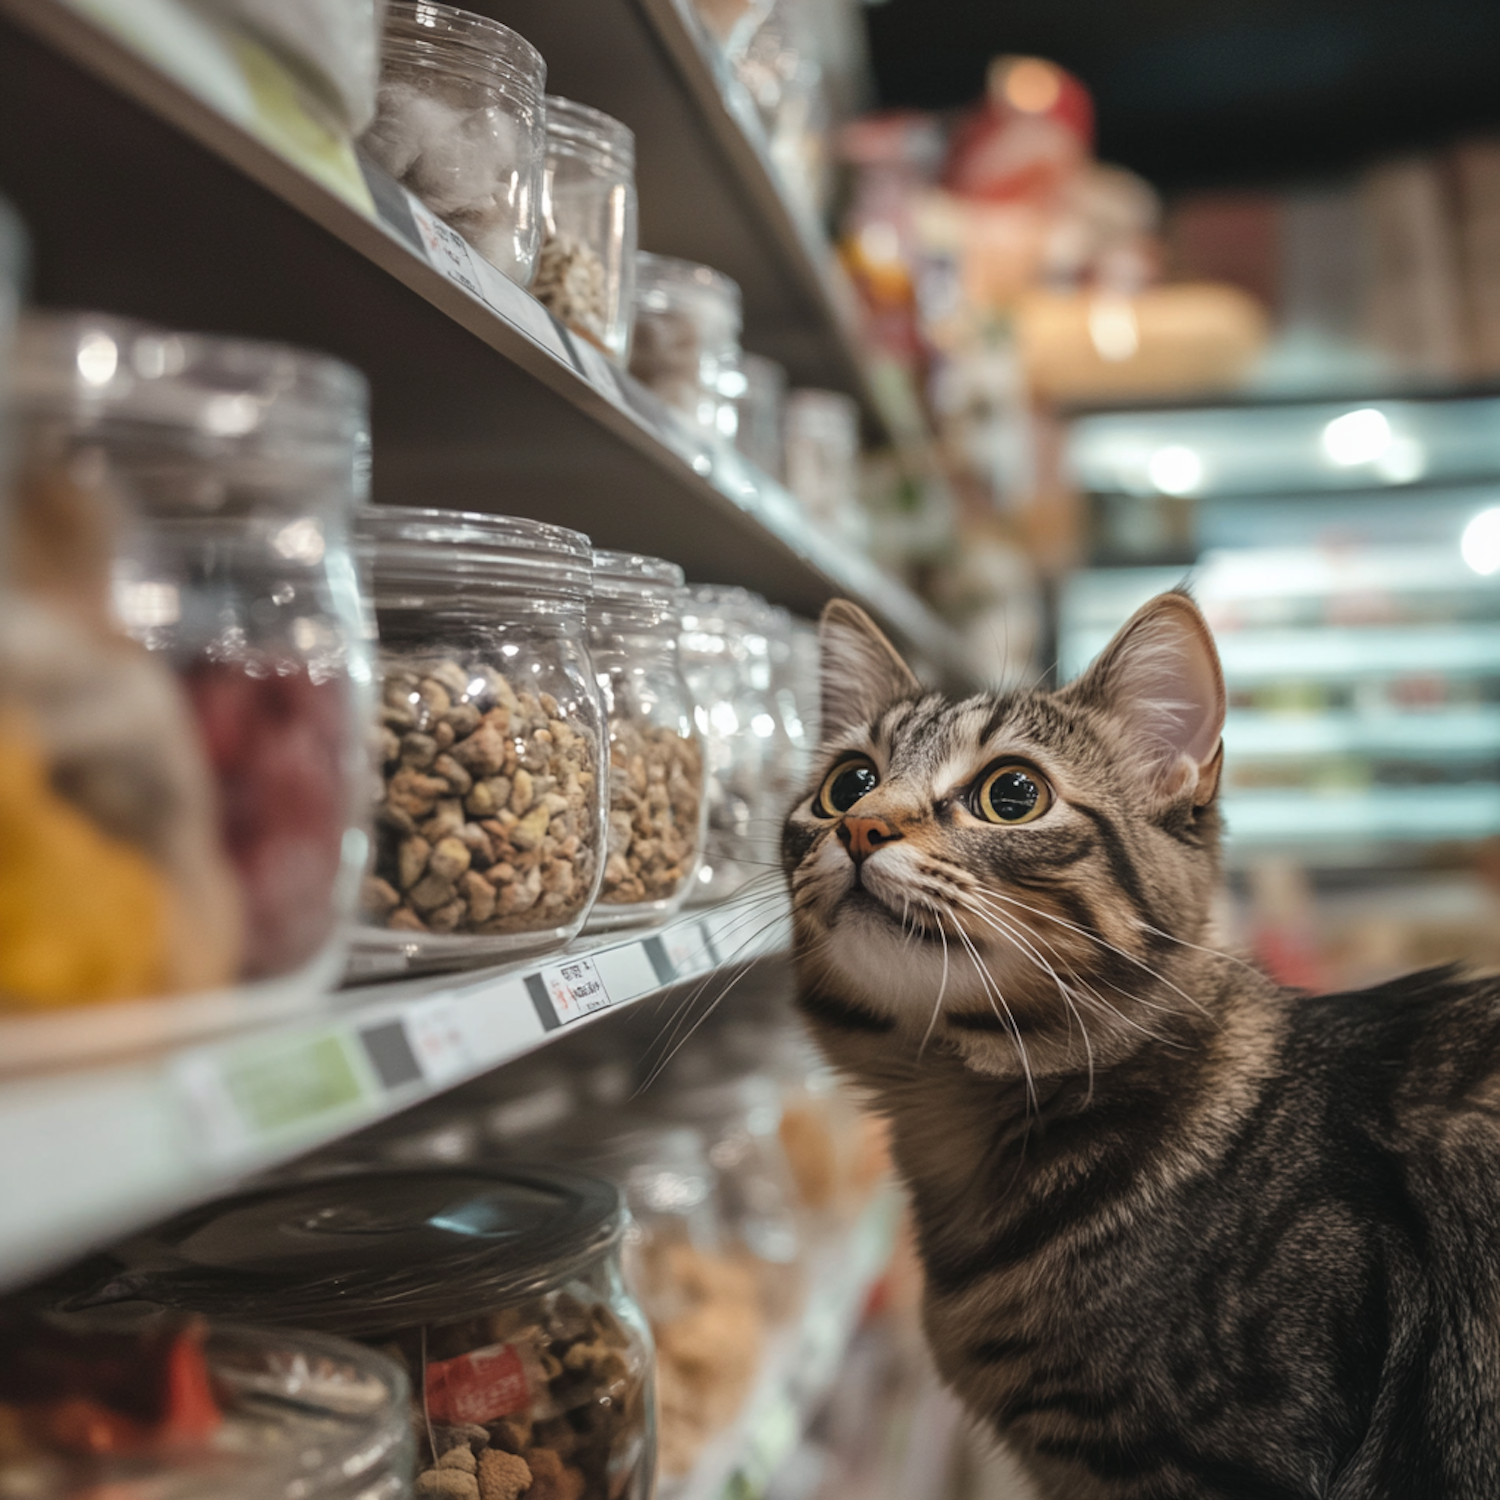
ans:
(372, 1251)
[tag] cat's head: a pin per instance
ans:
(1031, 860)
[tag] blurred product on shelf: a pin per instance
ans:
(585, 271)
(500, 1293)
(193, 494)
(1386, 277)
(173, 1409)
(733, 644)
(333, 46)
(779, 62)
(1104, 345)
(760, 433)
(461, 121)
(822, 460)
(686, 343)
(491, 744)
(657, 807)
(738, 1116)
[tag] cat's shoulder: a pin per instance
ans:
(1429, 1037)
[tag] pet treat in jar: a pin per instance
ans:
(175, 1409)
(460, 120)
(183, 504)
(687, 340)
(490, 746)
(585, 272)
(501, 1292)
(656, 802)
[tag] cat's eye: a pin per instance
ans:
(1011, 794)
(844, 785)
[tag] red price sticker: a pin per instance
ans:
(477, 1387)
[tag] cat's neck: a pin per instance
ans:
(962, 1113)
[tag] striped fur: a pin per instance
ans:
(1185, 1234)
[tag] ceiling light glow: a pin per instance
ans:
(1480, 545)
(1357, 437)
(1175, 470)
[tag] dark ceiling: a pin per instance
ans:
(1219, 92)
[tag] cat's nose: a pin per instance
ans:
(863, 836)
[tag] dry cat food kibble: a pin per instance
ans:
(487, 816)
(534, 1400)
(501, 1294)
(571, 283)
(655, 804)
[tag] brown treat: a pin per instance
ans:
(551, 1479)
(513, 1433)
(379, 897)
(404, 919)
(502, 1476)
(479, 895)
(430, 893)
(419, 750)
(450, 857)
(461, 1457)
(481, 753)
(558, 1436)
(446, 1484)
(415, 793)
(453, 773)
(468, 1435)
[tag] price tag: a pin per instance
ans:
(446, 248)
(438, 1039)
(243, 1096)
(520, 309)
(572, 989)
(597, 370)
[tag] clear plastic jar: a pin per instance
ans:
(166, 1411)
(822, 458)
(461, 121)
(585, 273)
(762, 415)
(500, 1292)
(489, 828)
(687, 340)
(726, 659)
(656, 773)
(194, 494)
(702, 1299)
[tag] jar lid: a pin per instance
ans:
(664, 276)
(588, 132)
(457, 551)
(633, 578)
(373, 1251)
(452, 40)
(231, 393)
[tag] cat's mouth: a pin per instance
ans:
(860, 900)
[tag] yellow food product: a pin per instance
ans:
(83, 916)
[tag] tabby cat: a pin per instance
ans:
(1185, 1233)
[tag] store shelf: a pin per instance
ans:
(801, 1364)
(1439, 735)
(1338, 825)
(88, 1153)
(148, 200)
(708, 189)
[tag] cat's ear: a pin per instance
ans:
(1161, 674)
(859, 672)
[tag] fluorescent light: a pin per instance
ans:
(1175, 470)
(1357, 437)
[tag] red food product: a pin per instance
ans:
(278, 743)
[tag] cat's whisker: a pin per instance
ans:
(942, 984)
(1100, 941)
(1019, 939)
